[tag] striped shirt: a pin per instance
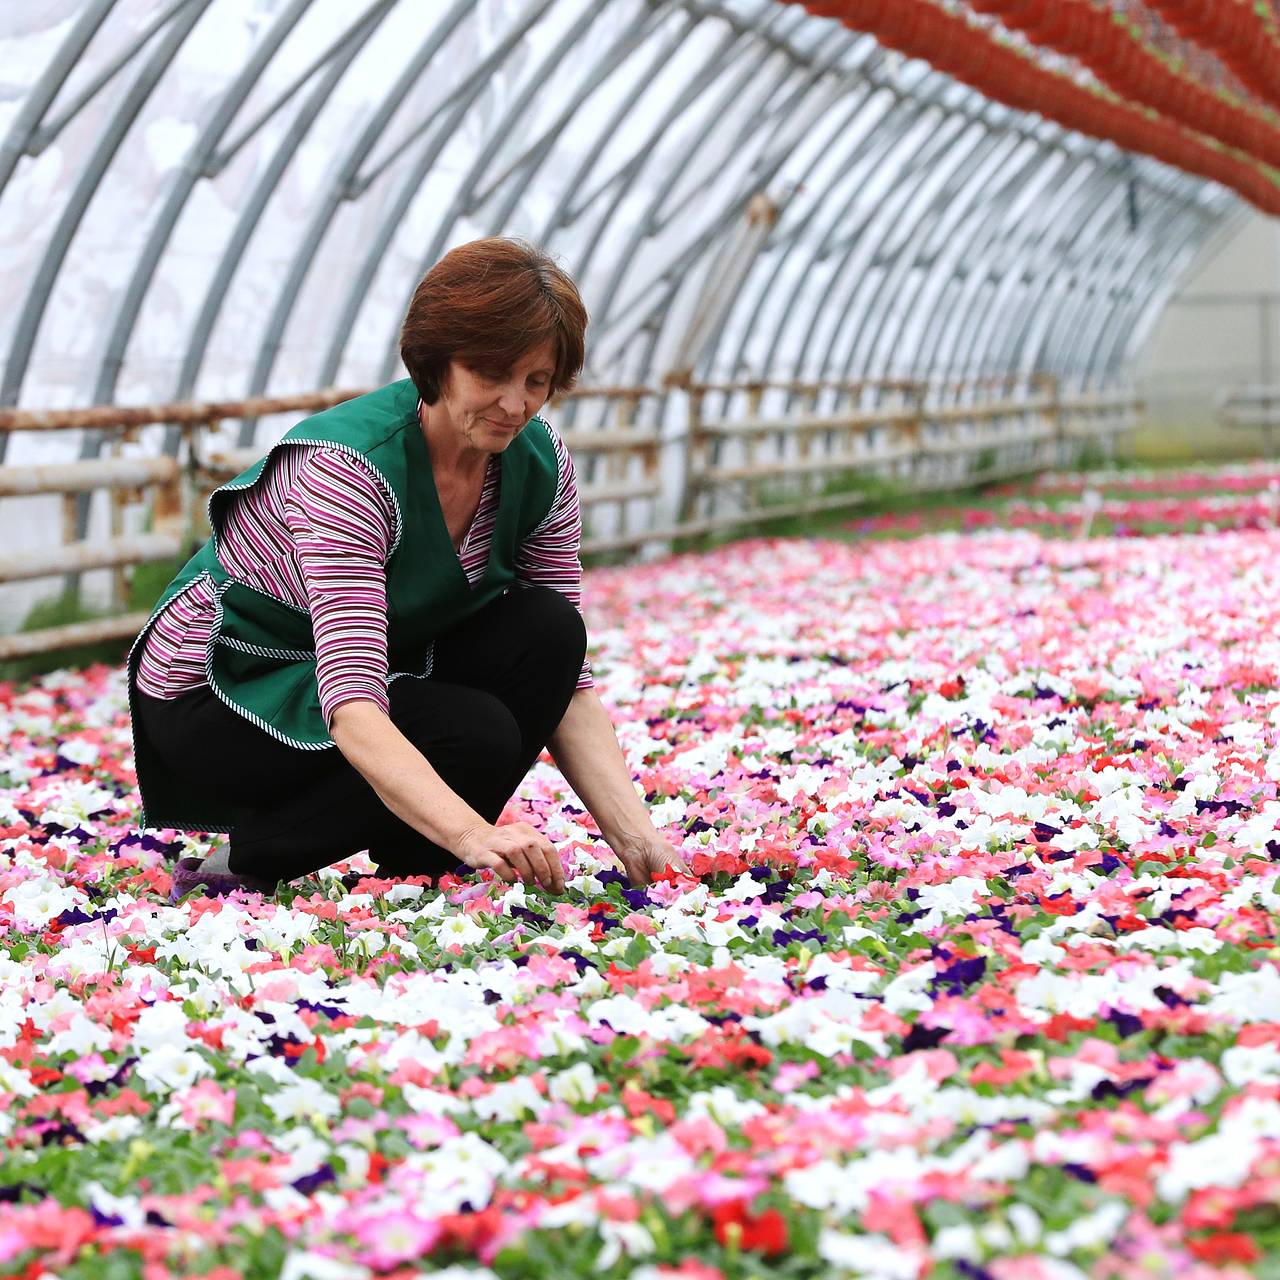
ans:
(316, 532)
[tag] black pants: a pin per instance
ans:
(500, 684)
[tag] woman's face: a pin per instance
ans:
(489, 413)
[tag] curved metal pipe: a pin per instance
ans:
(894, 132)
(922, 170)
(250, 216)
(875, 108)
(971, 342)
(972, 248)
(39, 292)
(785, 240)
(935, 205)
(956, 309)
(338, 188)
(181, 186)
(41, 95)
(766, 166)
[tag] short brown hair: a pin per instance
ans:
(486, 304)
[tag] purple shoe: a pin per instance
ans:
(187, 876)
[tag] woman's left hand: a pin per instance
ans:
(642, 857)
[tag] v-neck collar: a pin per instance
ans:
(491, 475)
(420, 461)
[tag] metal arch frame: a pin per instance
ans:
(645, 219)
(1143, 281)
(1106, 257)
(559, 215)
(392, 219)
(343, 178)
(1114, 260)
(732, 47)
(20, 139)
(905, 117)
(534, 155)
(1231, 216)
(916, 217)
(112, 135)
(932, 301)
(1169, 210)
(1136, 280)
(729, 47)
(1076, 177)
(1079, 168)
(1113, 337)
(990, 138)
(184, 182)
(972, 348)
(1031, 316)
(937, 205)
(761, 173)
(250, 217)
(787, 238)
(865, 147)
(961, 310)
(915, 175)
(464, 196)
(958, 225)
(813, 267)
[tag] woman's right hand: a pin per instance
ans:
(516, 850)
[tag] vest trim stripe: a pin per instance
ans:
(262, 651)
(265, 725)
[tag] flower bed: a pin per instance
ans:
(1123, 503)
(978, 977)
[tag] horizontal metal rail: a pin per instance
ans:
(30, 644)
(77, 557)
(973, 431)
(85, 476)
(196, 413)
(1252, 407)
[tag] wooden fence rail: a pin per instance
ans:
(1252, 407)
(638, 483)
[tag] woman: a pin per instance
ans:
(384, 632)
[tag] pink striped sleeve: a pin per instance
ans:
(549, 556)
(341, 523)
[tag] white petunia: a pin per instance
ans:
(510, 1100)
(459, 928)
(127, 1208)
(302, 1264)
(869, 1255)
(36, 901)
(1089, 1231)
(305, 1099)
(1249, 1064)
(622, 1238)
(1248, 997)
(171, 1067)
(575, 1085)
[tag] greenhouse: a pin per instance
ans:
(887, 389)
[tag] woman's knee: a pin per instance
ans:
(552, 623)
(459, 730)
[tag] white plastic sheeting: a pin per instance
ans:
(210, 198)
(628, 137)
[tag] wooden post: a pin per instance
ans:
(695, 461)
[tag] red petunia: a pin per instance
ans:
(762, 1232)
(1225, 1246)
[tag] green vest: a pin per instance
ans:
(262, 661)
